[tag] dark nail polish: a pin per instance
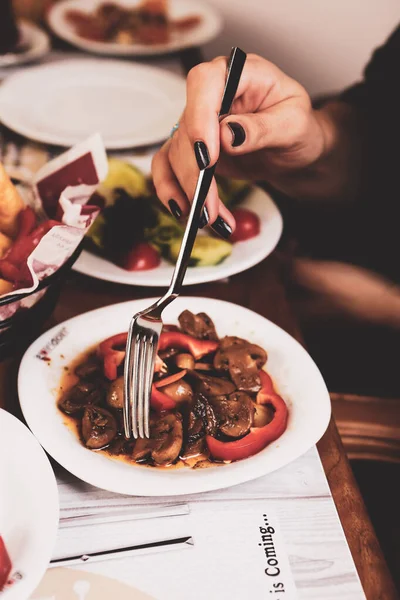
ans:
(175, 209)
(202, 156)
(222, 228)
(238, 133)
(204, 218)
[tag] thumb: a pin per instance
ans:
(277, 127)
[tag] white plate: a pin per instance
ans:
(244, 254)
(28, 505)
(129, 104)
(35, 43)
(296, 375)
(208, 29)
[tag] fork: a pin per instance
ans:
(146, 326)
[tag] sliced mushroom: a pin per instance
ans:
(80, 395)
(203, 410)
(99, 427)
(263, 414)
(115, 393)
(234, 414)
(184, 361)
(211, 386)
(89, 369)
(199, 326)
(168, 435)
(180, 391)
(165, 442)
(243, 361)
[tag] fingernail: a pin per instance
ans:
(202, 155)
(204, 218)
(175, 209)
(222, 228)
(238, 133)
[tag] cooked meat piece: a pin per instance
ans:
(180, 391)
(211, 386)
(195, 449)
(263, 414)
(115, 394)
(234, 414)
(199, 326)
(168, 435)
(99, 427)
(80, 395)
(203, 410)
(89, 369)
(120, 445)
(184, 361)
(165, 441)
(243, 361)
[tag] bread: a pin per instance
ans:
(5, 244)
(11, 204)
(5, 287)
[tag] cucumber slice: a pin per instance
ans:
(96, 232)
(122, 175)
(207, 251)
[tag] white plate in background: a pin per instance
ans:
(209, 27)
(34, 43)
(295, 374)
(28, 505)
(129, 104)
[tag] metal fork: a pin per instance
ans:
(146, 326)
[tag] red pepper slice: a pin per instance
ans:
(161, 401)
(5, 564)
(109, 350)
(112, 351)
(176, 339)
(259, 437)
(171, 379)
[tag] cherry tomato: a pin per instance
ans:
(247, 225)
(142, 257)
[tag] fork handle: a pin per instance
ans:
(234, 70)
(192, 226)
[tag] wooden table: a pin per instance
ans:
(261, 289)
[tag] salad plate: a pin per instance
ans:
(216, 259)
(294, 374)
(28, 506)
(206, 28)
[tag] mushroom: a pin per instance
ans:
(243, 361)
(202, 409)
(80, 395)
(212, 386)
(115, 393)
(184, 361)
(168, 435)
(263, 414)
(180, 391)
(234, 414)
(99, 427)
(165, 442)
(199, 326)
(89, 369)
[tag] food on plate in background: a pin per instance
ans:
(5, 564)
(134, 230)
(20, 233)
(9, 35)
(211, 400)
(148, 23)
(11, 204)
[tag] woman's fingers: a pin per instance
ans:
(167, 186)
